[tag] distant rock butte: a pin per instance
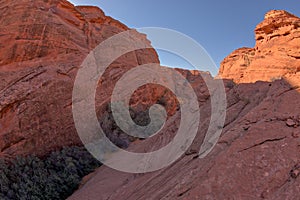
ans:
(276, 53)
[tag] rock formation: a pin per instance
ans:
(257, 156)
(43, 43)
(275, 55)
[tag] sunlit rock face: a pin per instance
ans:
(276, 54)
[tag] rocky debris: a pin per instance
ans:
(291, 123)
(295, 172)
(276, 54)
(296, 134)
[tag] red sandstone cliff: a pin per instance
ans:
(275, 55)
(43, 43)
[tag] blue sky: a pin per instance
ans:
(219, 26)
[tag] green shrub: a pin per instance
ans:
(55, 177)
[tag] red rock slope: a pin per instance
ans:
(257, 156)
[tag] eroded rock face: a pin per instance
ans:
(43, 43)
(275, 55)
